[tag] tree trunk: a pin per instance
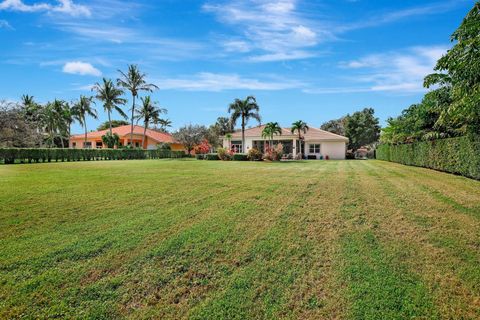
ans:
(144, 133)
(133, 113)
(300, 144)
(110, 122)
(85, 124)
(243, 134)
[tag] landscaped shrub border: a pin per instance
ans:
(12, 155)
(455, 155)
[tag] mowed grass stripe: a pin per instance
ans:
(179, 239)
(442, 251)
(377, 284)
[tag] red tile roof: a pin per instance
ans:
(124, 131)
(312, 134)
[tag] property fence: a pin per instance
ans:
(459, 155)
(12, 155)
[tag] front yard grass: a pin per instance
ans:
(238, 240)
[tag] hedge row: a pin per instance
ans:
(455, 155)
(12, 155)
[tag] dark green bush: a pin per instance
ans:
(200, 156)
(212, 156)
(240, 157)
(12, 155)
(455, 155)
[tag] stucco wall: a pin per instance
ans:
(334, 149)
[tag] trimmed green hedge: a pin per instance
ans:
(212, 156)
(455, 155)
(12, 155)
(240, 157)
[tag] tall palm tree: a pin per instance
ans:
(149, 112)
(111, 96)
(164, 124)
(33, 113)
(83, 108)
(245, 110)
(54, 120)
(299, 126)
(134, 81)
(271, 129)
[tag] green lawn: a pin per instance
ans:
(238, 240)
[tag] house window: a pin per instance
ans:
(74, 144)
(314, 148)
(99, 145)
(87, 145)
(237, 146)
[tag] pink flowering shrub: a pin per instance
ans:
(273, 154)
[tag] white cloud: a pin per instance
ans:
(272, 28)
(206, 81)
(397, 72)
(81, 68)
(5, 25)
(63, 6)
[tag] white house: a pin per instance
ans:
(315, 142)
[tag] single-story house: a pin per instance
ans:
(315, 142)
(152, 138)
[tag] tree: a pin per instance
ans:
(33, 113)
(190, 136)
(83, 108)
(219, 129)
(149, 112)
(271, 129)
(299, 126)
(164, 124)
(336, 126)
(111, 140)
(115, 123)
(244, 109)
(362, 128)
(111, 97)
(15, 129)
(134, 81)
(459, 70)
(54, 121)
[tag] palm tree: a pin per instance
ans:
(149, 112)
(54, 120)
(82, 109)
(164, 124)
(228, 136)
(299, 126)
(271, 129)
(134, 81)
(244, 109)
(111, 97)
(33, 113)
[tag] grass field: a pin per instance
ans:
(238, 240)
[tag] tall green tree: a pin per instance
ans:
(115, 123)
(191, 136)
(336, 126)
(149, 112)
(245, 110)
(134, 81)
(299, 127)
(83, 108)
(362, 128)
(271, 129)
(164, 124)
(111, 96)
(459, 69)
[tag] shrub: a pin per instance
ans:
(274, 154)
(311, 157)
(200, 156)
(212, 156)
(12, 155)
(225, 154)
(202, 148)
(459, 155)
(240, 157)
(254, 154)
(111, 140)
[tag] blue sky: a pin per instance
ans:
(309, 60)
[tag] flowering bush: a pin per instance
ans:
(254, 154)
(202, 148)
(225, 154)
(273, 154)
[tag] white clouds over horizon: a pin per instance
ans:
(81, 68)
(63, 6)
(215, 82)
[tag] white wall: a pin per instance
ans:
(334, 149)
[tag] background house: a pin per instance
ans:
(315, 142)
(152, 138)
